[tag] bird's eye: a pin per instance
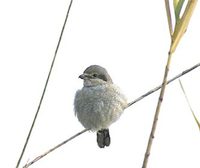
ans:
(95, 75)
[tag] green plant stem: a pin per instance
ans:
(178, 9)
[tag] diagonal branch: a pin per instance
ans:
(54, 148)
(130, 104)
(158, 87)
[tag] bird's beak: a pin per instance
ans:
(81, 76)
(84, 76)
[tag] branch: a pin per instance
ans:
(54, 148)
(44, 90)
(130, 104)
(158, 87)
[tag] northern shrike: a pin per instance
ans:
(99, 103)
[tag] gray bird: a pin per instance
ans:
(99, 103)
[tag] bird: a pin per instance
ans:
(99, 103)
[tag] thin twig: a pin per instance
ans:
(44, 90)
(188, 102)
(160, 99)
(158, 87)
(54, 148)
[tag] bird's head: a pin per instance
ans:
(95, 75)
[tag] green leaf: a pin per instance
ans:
(198, 123)
(175, 3)
(177, 8)
(182, 23)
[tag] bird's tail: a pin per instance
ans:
(103, 138)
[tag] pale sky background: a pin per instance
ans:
(131, 40)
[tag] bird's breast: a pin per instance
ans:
(97, 107)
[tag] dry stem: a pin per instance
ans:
(44, 90)
(152, 134)
(169, 18)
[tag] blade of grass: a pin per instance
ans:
(169, 18)
(188, 102)
(175, 3)
(178, 8)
